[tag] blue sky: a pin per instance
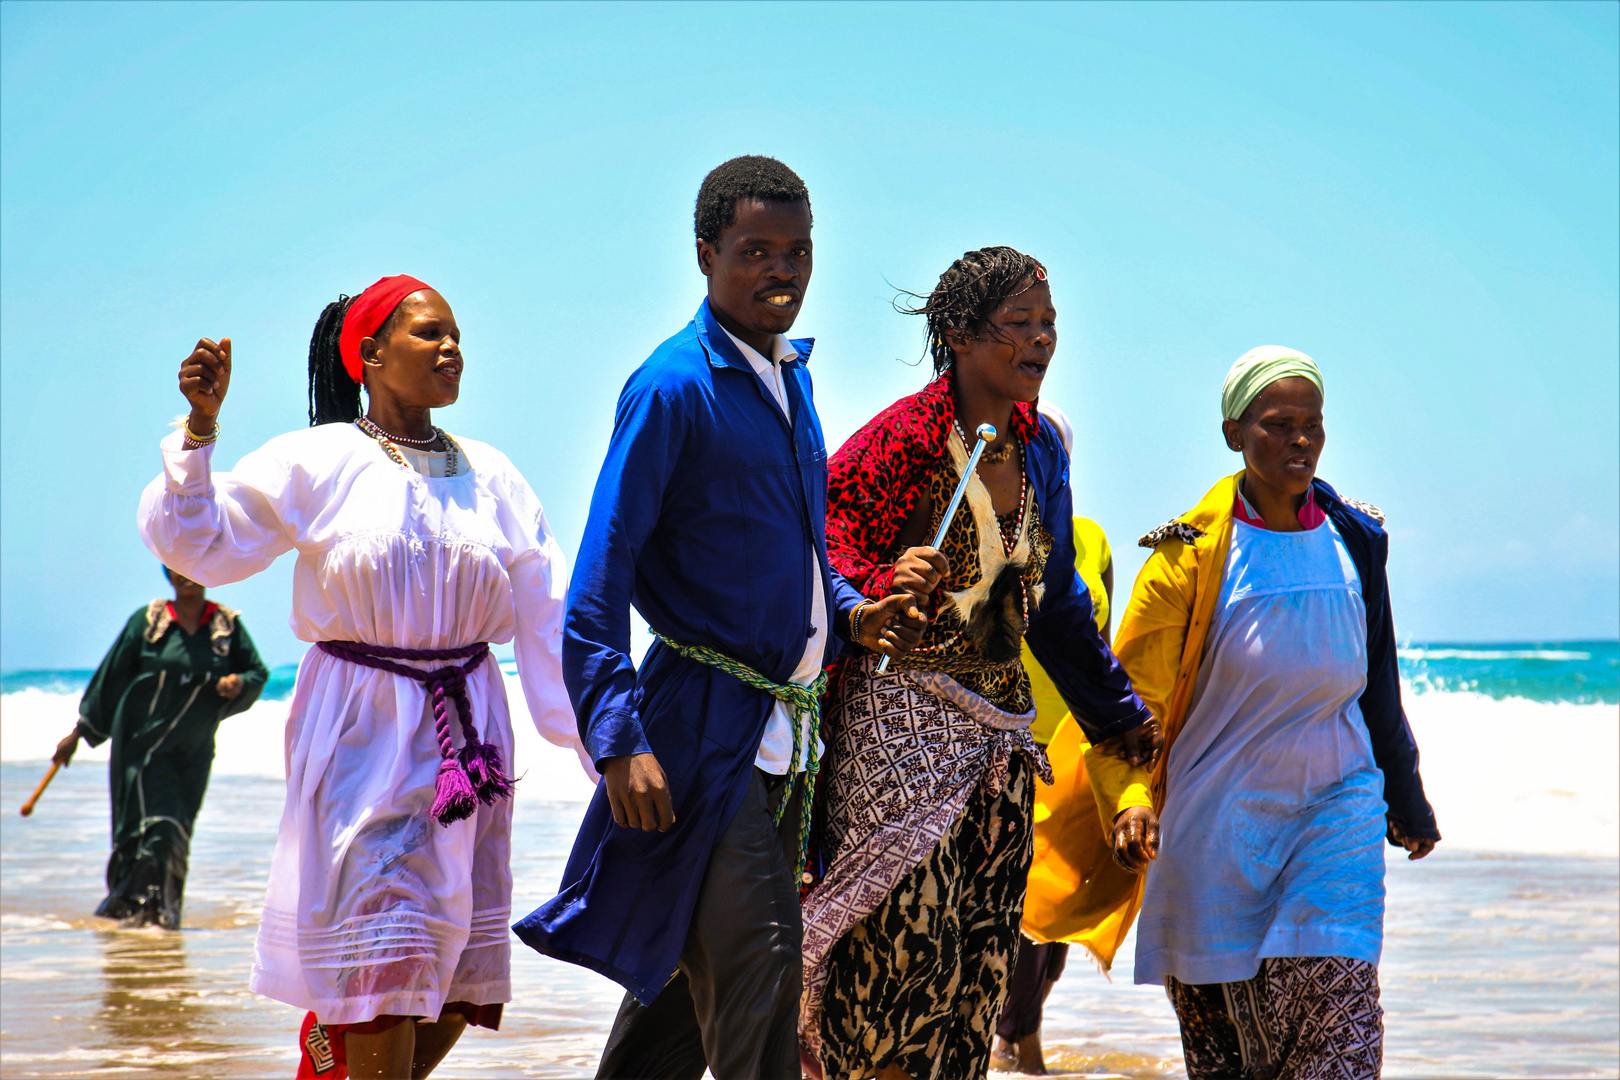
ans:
(1423, 197)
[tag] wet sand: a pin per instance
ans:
(1495, 965)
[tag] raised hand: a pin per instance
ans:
(1136, 838)
(205, 376)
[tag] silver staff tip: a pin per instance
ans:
(987, 432)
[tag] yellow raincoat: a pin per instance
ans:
(1077, 893)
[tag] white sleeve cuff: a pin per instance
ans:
(189, 472)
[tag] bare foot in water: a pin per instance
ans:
(1003, 1055)
(1023, 1056)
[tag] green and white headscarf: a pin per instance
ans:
(1259, 368)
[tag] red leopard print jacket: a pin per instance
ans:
(877, 476)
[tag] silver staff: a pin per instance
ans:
(987, 435)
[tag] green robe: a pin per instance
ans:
(154, 697)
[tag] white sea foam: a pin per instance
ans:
(1517, 775)
(1503, 775)
(254, 743)
(1493, 654)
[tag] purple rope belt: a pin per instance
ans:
(466, 777)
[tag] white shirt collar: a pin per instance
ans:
(781, 351)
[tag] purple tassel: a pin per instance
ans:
(482, 761)
(455, 797)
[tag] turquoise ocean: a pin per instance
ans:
(1501, 959)
(1575, 672)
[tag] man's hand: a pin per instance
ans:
(1139, 746)
(892, 626)
(229, 686)
(638, 793)
(65, 748)
(1416, 848)
(205, 376)
(1136, 838)
(919, 571)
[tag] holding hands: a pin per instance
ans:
(1139, 746)
(894, 625)
(1136, 838)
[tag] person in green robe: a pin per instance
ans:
(179, 668)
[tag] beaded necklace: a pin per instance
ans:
(452, 449)
(1023, 478)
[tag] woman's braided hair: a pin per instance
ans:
(969, 293)
(334, 398)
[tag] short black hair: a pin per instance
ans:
(748, 177)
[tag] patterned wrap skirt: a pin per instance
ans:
(910, 937)
(1299, 1018)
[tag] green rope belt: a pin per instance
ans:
(803, 701)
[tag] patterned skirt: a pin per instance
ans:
(1300, 1018)
(910, 937)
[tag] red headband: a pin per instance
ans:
(368, 311)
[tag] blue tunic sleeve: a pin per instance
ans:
(1062, 632)
(597, 668)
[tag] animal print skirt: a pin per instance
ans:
(1300, 1018)
(910, 939)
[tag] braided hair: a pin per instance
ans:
(334, 398)
(968, 294)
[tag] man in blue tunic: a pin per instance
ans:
(709, 518)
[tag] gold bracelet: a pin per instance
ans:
(200, 440)
(855, 621)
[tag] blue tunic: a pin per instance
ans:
(708, 517)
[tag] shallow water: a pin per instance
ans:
(1494, 965)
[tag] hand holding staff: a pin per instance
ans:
(28, 807)
(987, 435)
(63, 756)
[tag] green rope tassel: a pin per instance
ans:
(804, 701)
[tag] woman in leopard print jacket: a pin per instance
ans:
(911, 931)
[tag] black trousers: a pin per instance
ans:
(733, 1006)
(1039, 963)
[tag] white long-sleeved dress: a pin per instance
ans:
(373, 908)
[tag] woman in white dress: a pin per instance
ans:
(390, 887)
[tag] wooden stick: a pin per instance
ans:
(28, 807)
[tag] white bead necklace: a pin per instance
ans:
(452, 450)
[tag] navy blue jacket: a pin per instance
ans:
(1393, 746)
(708, 517)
